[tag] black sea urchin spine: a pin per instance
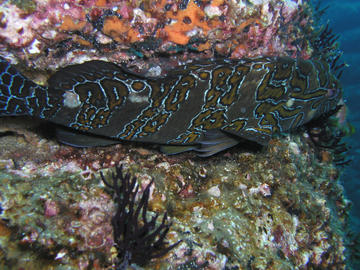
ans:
(137, 239)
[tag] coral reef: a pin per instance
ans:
(280, 207)
(276, 207)
(52, 34)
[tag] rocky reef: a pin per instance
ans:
(279, 207)
(276, 207)
(47, 35)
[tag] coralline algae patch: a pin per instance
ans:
(57, 33)
(279, 208)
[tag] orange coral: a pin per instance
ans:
(247, 23)
(102, 3)
(186, 20)
(82, 41)
(68, 24)
(120, 30)
(217, 2)
(204, 46)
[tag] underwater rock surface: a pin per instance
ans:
(277, 208)
(52, 34)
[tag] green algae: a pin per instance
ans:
(28, 6)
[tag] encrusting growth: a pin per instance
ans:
(138, 240)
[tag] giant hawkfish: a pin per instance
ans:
(205, 105)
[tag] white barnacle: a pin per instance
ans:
(71, 99)
(212, 11)
(214, 191)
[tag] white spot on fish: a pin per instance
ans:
(71, 100)
(134, 98)
(154, 72)
(290, 102)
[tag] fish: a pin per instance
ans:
(207, 105)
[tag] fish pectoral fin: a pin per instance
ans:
(215, 141)
(176, 149)
(77, 139)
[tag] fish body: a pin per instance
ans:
(204, 105)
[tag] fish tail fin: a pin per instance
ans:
(18, 94)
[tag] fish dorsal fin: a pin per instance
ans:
(66, 77)
(215, 141)
(77, 139)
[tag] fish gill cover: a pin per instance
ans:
(278, 207)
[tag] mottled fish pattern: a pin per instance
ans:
(205, 105)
